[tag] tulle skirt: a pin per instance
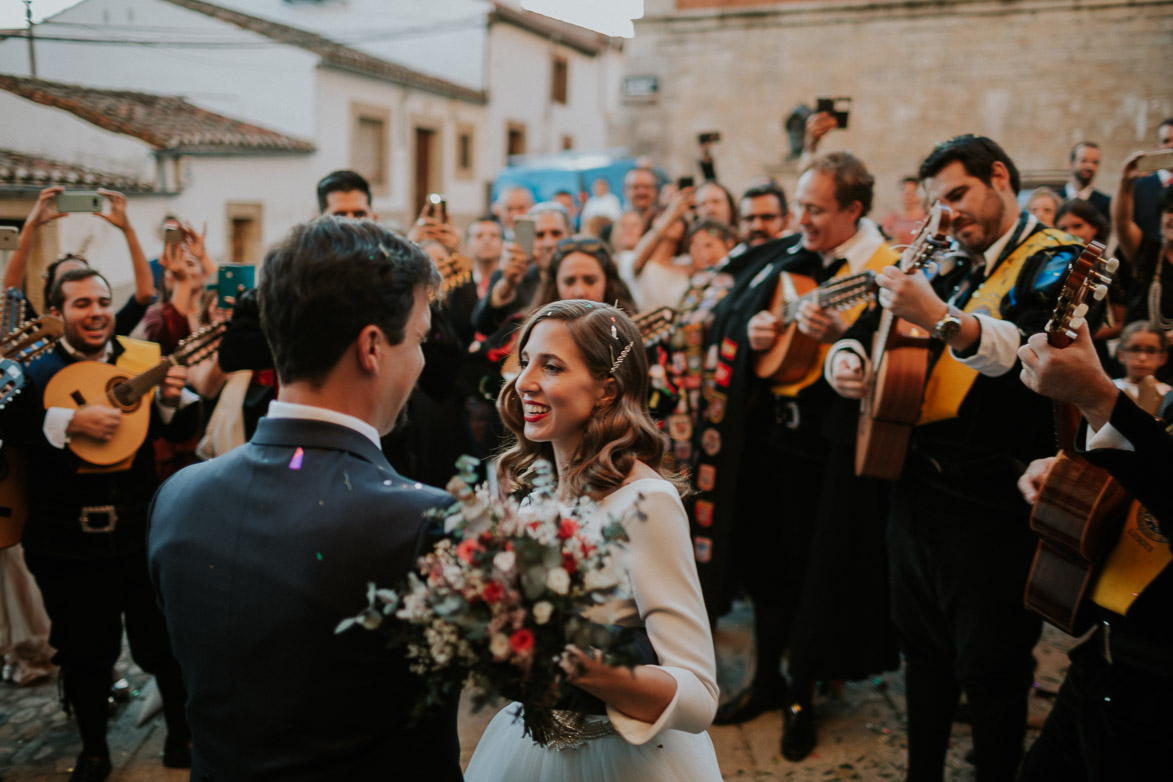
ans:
(505, 755)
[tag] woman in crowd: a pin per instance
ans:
(580, 404)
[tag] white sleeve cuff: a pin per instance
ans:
(691, 710)
(1108, 437)
(856, 347)
(57, 420)
(997, 350)
(186, 397)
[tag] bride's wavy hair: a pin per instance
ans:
(620, 432)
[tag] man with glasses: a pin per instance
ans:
(512, 286)
(763, 214)
(641, 189)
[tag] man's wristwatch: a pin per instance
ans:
(948, 327)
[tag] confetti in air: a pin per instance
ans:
(298, 457)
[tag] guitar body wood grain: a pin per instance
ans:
(887, 416)
(789, 358)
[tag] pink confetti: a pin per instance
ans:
(295, 462)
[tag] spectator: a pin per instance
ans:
(512, 202)
(1085, 163)
(602, 203)
(714, 202)
(1146, 194)
(1151, 295)
(1142, 351)
(902, 227)
(1043, 204)
(566, 198)
(345, 194)
(484, 241)
(709, 241)
(763, 214)
(44, 212)
(641, 189)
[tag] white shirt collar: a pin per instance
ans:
(860, 248)
(994, 250)
(279, 409)
(1164, 175)
(1070, 191)
(74, 353)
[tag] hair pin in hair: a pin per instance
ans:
(622, 356)
(385, 251)
(614, 332)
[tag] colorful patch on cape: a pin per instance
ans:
(706, 477)
(704, 513)
(680, 427)
(728, 349)
(711, 441)
(723, 375)
(715, 411)
(702, 549)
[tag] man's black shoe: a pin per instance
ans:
(798, 732)
(90, 768)
(746, 706)
(176, 754)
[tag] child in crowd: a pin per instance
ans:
(1143, 350)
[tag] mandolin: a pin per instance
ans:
(96, 382)
(21, 342)
(1080, 508)
(790, 357)
(900, 360)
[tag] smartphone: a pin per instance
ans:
(79, 201)
(685, 181)
(9, 238)
(439, 207)
(172, 237)
(231, 277)
(839, 108)
(523, 234)
(1155, 161)
(708, 137)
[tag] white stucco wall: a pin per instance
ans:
(240, 74)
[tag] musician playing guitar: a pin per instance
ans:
(763, 451)
(85, 538)
(958, 540)
(1113, 709)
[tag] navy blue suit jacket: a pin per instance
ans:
(1145, 213)
(255, 563)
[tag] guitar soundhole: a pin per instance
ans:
(116, 394)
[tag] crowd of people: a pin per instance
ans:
(848, 571)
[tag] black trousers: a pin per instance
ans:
(1110, 721)
(958, 567)
(87, 601)
(777, 504)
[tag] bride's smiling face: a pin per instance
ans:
(558, 393)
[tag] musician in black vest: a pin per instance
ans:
(85, 539)
(958, 542)
(762, 450)
(1112, 714)
(258, 554)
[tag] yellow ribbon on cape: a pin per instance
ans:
(1138, 557)
(950, 380)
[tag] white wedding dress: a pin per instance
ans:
(659, 566)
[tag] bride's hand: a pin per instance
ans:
(586, 669)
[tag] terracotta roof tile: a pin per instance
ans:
(334, 53)
(163, 121)
(26, 171)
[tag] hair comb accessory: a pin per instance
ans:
(622, 356)
(385, 251)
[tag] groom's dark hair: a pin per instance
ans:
(326, 281)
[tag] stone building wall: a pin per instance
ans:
(1035, 75)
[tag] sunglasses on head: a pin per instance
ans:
(587, 244)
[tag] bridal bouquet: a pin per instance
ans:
(495, 604)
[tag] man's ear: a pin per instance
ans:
(369, 347)
(55, 312)
(1000, 176)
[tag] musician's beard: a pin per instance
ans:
(988, 223)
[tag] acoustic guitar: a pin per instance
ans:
(1080, 509)
(20, 342)
(96, 382)
(790, 357)
(900, 361)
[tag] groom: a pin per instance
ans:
(258, 554)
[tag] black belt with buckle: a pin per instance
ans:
(98, 518)
(1122, 648)
(786, 412)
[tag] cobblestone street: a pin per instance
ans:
(861, 730)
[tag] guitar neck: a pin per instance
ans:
(130, 391)
(833, 294)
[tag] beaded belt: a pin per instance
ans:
(573, 729)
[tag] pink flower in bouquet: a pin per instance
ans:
(492, 592)
(522, 641)
(468, 549)
(567, 529)
(569, 563)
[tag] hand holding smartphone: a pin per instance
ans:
(79, 201)
(523, 234)
(9, 238)
(1155, 161)
(839, 108)
(232, 279)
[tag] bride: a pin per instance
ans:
(580, 402)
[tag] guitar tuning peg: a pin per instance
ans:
(1079, 312)
(1111, 265)
(1100, 292)
(1074, 325)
